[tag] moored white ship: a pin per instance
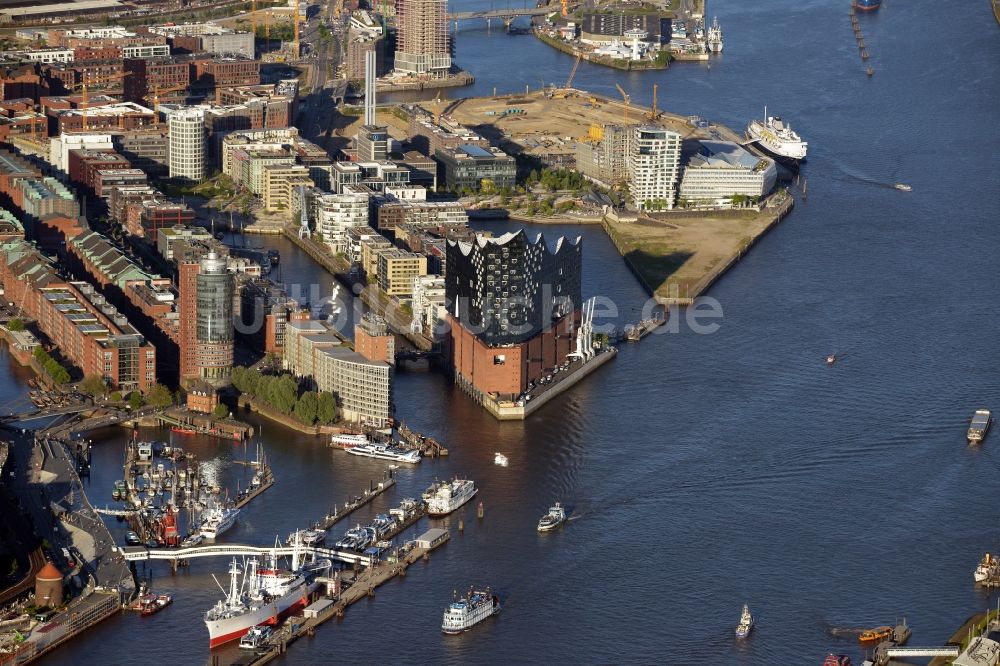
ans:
(347, 440)
(777, 137)
(473, 608)
(714, 39)
(264, 596)
(385, 452)
(217, 521)
(988, 567)
(444, 497)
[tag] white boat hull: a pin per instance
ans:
(437, 511)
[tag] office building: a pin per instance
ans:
(373, 144)
(206, 314)
(397, 269)
(721, 170)
(187, 144)
(654, 167)
(474, 168)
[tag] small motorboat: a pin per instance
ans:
(831, 359)
(553, 519)
(746, 623)
(875, 636)
(500, 459)
(837, 660)
(256, 637)
(133, 539)
(903, 187)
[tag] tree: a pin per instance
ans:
(326, 408)
(283, 394)
(15, 325)
(220, 411)
(160, 396)
(305, 408)
(116, 396)
(134, 400)
(93, 385)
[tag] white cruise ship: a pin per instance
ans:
(443, 497)
(777, 137)
(383, 452)
(463, 614)
(217, 521)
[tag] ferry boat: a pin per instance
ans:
(348, 440)
(746, 623)
(256, 637)
(714, 40)
(979, 426)
(500, 459)
(875, 636)
(264, 595)
(218, 521)
(444, 497)
(867, 5)
(462, 614)
(988, 567)
(153, 604)
(553, 519)
(385, 452)
(777, 138)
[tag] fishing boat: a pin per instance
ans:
(979, 426)
(553, 519)
(875, 636)
(444, 497)
(156, 604)
(987, 568)
(462, 614)
(500, 459)
(746, 623)
(903, 187)
(255, 638)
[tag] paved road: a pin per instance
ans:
(317, 111)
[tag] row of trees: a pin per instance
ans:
(159, 396)
(51, 366)
(281, 392)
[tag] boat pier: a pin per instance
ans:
(374, 490)
(267, 480)
(428, 446)
(361, 586)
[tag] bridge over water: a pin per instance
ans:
(174, 555)
(506, 15)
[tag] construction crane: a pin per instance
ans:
(160, 91)
(653, 115)
(93, 81)
(572, 72)
(627, 98)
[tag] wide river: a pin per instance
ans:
(705, 471)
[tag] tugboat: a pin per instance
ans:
(553, 519)
(153, 604)
(746, 623)
(875, 636)
(987, 568)
(462, 614)
(979, 426)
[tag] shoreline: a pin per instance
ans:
(612, 63)
(287, 420)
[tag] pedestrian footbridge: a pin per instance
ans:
(142, 554)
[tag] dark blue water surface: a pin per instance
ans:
(707, 470)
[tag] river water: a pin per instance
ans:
(705, 471)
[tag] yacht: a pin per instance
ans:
(746, 623)
(979, 426)
(553, 519)
(462, 614)
(444, 497)
(903, 187)
(500, 459)
(218, 521)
